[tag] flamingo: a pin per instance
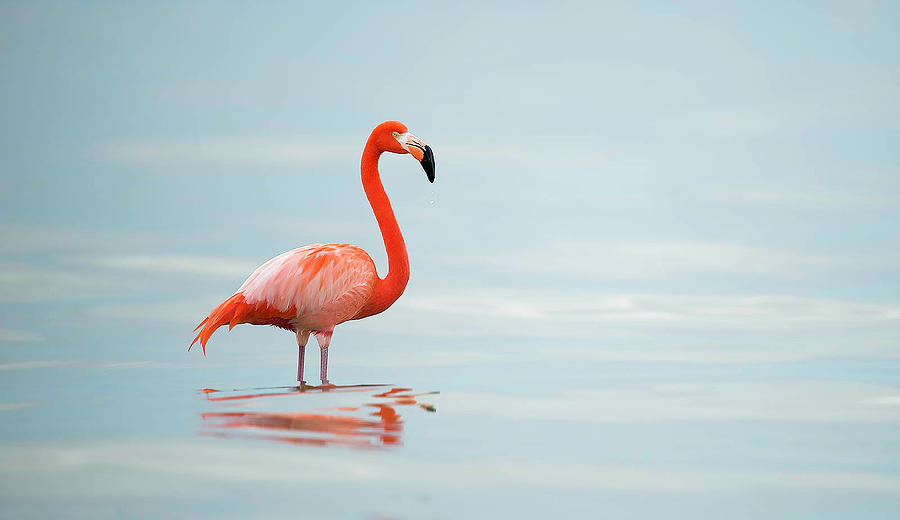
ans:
(312, 289)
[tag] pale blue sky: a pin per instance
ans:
(627, 197)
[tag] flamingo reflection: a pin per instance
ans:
(374, 423)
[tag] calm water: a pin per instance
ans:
(464, 436)
(658, 274)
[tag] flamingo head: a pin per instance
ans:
(393, 136)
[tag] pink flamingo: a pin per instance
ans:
(314, 288)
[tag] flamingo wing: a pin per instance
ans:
(310, 288)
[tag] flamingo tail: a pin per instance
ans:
(232, 312)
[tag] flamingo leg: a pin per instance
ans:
(302, 338)
(323, 337)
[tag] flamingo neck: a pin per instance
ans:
(389, 288)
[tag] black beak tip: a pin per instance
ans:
(428, 163)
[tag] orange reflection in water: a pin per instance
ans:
(372, 423)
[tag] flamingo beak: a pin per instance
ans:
(418, 149)
(427, 163)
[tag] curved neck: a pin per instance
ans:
(389, 288)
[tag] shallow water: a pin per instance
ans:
(656, 277)
(566, 437)
(372, 422)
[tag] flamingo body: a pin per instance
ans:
(314, 288)
(322, 285)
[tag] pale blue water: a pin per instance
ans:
(657, 276)
(563, 437)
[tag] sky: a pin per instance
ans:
(695, 195)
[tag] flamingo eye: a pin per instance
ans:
(395, 134)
